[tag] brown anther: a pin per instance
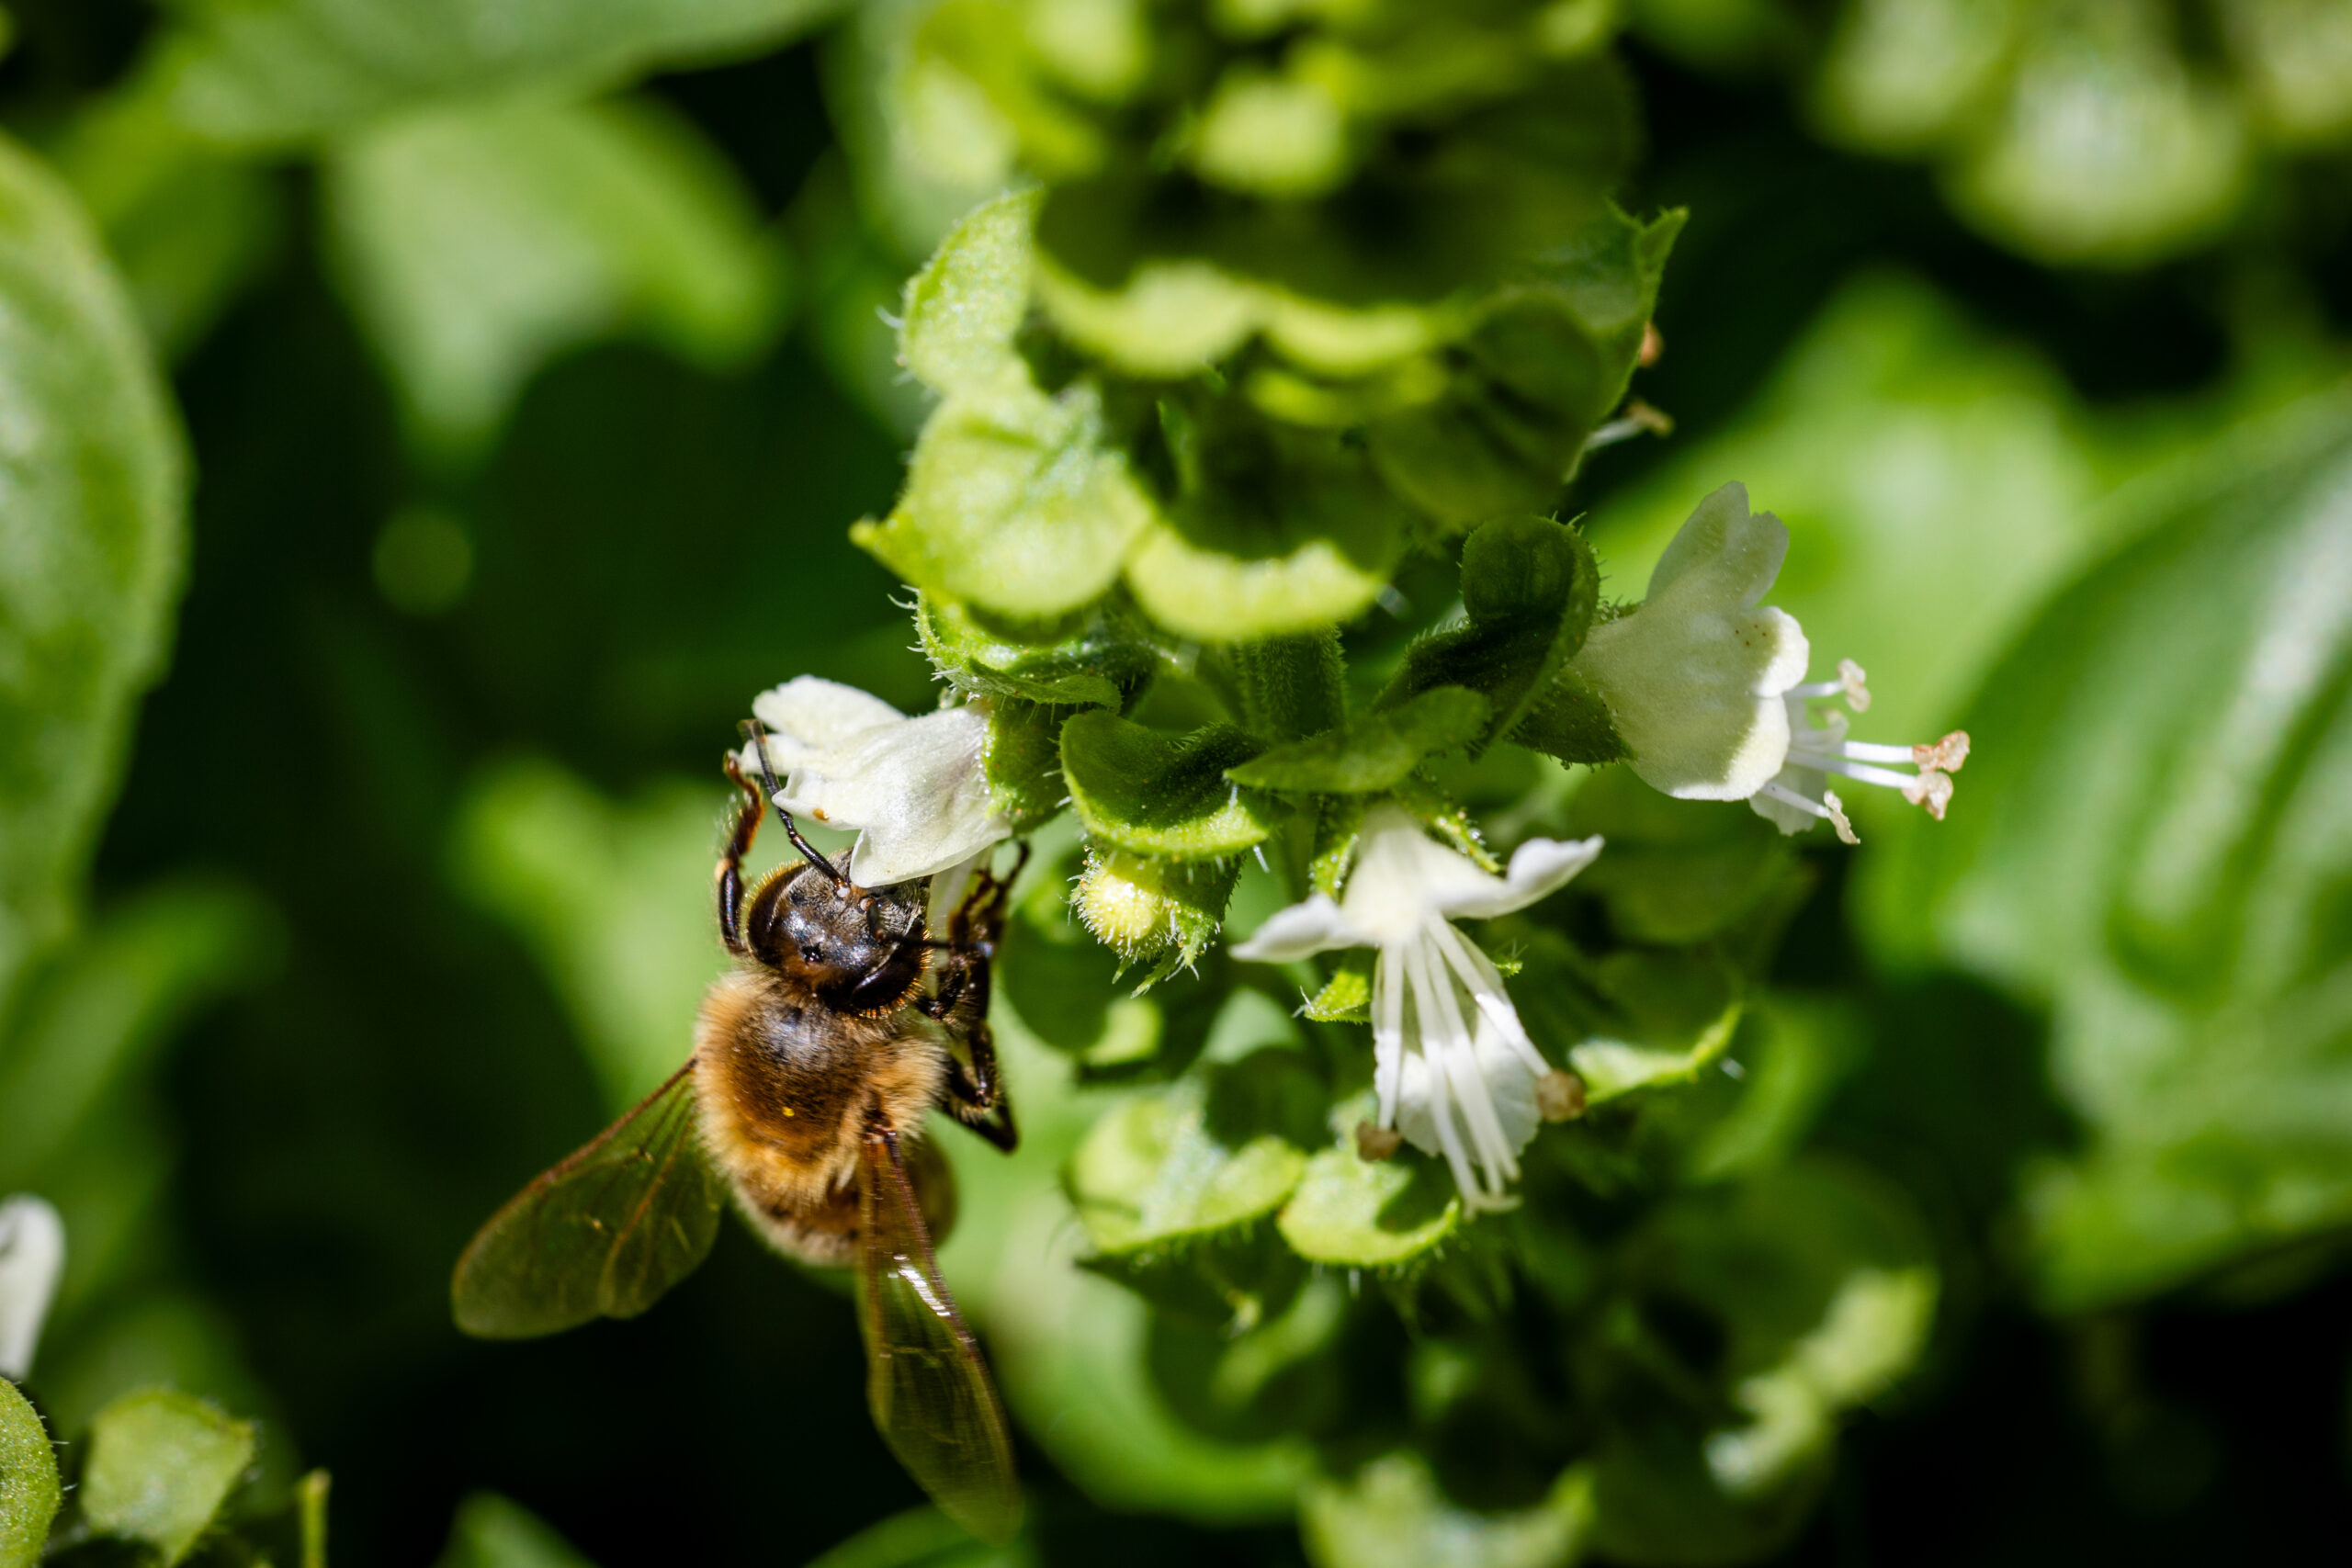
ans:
(1946, 755)
(1559, 1095)
(1930, 789)
(1376, 1144)
(1653, 347)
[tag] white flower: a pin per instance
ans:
(1799, 795)
(1454, 1069)
(1707, 688)
(913, 788)
(1695, 676)
(32, 1255)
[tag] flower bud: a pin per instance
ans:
(1163, 912)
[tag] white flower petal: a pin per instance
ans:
(914, 788)
(1538, 868)
(1735, 552)
(1402, 876)
(808, 714)
(32, 1256)
(1695, 676)
(1301, 931)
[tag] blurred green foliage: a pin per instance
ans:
(2081, 132)
(531, 362)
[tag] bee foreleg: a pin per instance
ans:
(739, 835)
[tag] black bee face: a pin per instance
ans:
(856, 948)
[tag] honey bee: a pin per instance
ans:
(815, 1059)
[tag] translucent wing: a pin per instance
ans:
(928, 1388)
(601, 1235)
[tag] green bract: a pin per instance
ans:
(161, 1465)
(28, 1488)
(1529, 591)
(1373, 753)
(1157, 795)
(1218, 1150)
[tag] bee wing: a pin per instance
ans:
(603, 1233)
(929, 1389)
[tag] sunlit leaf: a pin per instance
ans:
(160, 1466)
(1351, 1212)
(271, 71)
(2108, 147)
(479, 242)
(1016, 501)
(1390, 1514)
(2157, 848)
(963, 307)
(97, 484)
(1217, 1150)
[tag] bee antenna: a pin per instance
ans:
(759, 736)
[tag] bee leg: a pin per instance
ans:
(976, 1095)
(731, 860)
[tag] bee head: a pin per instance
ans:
(857, 949)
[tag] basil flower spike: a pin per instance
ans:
(1455, 1070)
(913, 788)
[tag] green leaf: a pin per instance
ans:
(1549, 357)
(161, 1465)
(2152, 839)
(479, 242)
(1154, 794)
(1528, 588)
(1016, 501)
(28, 1489)
(1375, 752)
(1099, 661)
(1819, 1281)
(189, 227)
(1390, 1514)
(492, 1532)
(268, 72)
(964, 307)
(1217, 1151)
(97, 487)
(1349, 1213)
